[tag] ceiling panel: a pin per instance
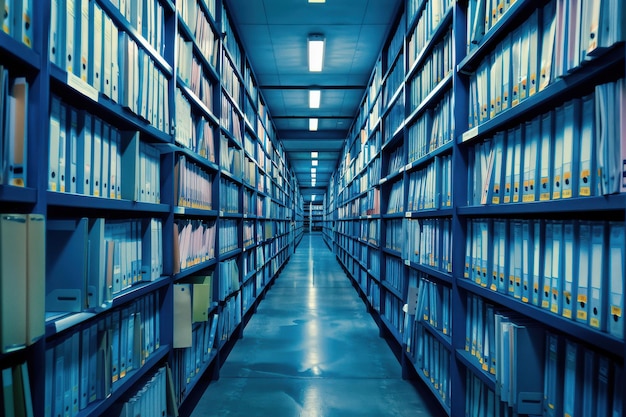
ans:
(274, 35)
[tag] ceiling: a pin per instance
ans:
(274, 35)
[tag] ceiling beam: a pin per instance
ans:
(312, 87)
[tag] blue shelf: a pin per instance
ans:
(435, 273)
(430, 213)
(582, 205)
(13, 194)
(191, 96)
(392, 252)
(186, 211)
(14, 52)
(558, 323)
(56, 199)
(432, 99)
(59, 322)
(194, 269)
(444, 339)
(393, 290)
(230, 254)
(436, 395)
(399, 215)
(428, 158)
(470, 362)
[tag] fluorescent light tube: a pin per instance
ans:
(315, 97)
(313, 124)
(316, 53)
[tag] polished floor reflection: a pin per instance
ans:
(311, 350)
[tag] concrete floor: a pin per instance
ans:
(311, 350)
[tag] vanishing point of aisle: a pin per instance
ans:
(311, 350)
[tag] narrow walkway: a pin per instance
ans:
(311, 350)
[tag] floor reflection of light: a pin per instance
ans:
(312, 402)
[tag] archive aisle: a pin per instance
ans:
(479, 203)
(136, 246)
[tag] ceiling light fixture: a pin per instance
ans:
(315, 97)
(317, 1)
(316, 52)
(313, 125)
(314, 154)
(313, 170)
(314, 162)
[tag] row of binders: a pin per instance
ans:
(248, 233)
(427, 24)
(229, 279)
(573, 151)
(435, 69)
(146, 16)
(431, 186)
(433, 359)
(154, 398)
(16, 396)
(429, 242)
(393, 81)
(231, 119)
(574, 269)
(428, 302)
(229, 318)
(393, 120)
(229, 196)
(16, 20)
(203, 34)
(189, 362)
(394, 272)
(193, 187)
(22, 280)
(229, 236)
(433, 129)
(90, 261)
(111, 61)
(579, 381)
(553, 42)
(192, 73)
(396, 160)
(231, 157)
(194, 243)
(86, 366)
(88, 156)
(395, 203)
(512, 349)
(193, 131)
(231, 82)
(13, 129)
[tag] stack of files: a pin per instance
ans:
(22, 280)
(430, 243)
(580, 381)
(611, 135)
(554, 156)
(395, 204)
(85, 366)
(428, 22)
(188, 362)
(155, 398)
(434, 69)
(230, 81)
(571, 268)
(229, 238)
(231, 158)
(185, 61)
(394, 272)
(425, 188)
(393, 312)
(184, 122)
(393, 120)
(249, 262)
(433, 129)
(200, 85)
(433, 359)
(16, 20)
(396, 160)
(482, 15)
(248, 234)
(249, 171)
(193, 187)
(393, 81)
(230, 318)
(393, 48)
(229, 196)
(15, 396)
(394, 233)
(249, 202)
(373, 231)
(13, 129)
(206, 39)
(433, 304)
(148, 18)
(480, 401)
(194, 243)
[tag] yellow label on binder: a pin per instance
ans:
(594, 322)
(567, 313)
(616, 311)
